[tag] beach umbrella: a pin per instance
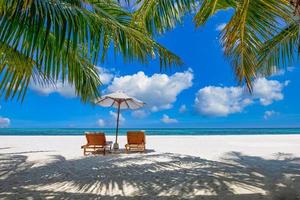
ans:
(119, 100)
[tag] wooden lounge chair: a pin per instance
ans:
(136, 141)
(96, 142)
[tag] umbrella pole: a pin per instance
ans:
(116, 146)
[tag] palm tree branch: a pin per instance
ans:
(280, 50)
(209, 7)
(159, 16)
(56, 34)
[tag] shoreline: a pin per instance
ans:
(162, 135)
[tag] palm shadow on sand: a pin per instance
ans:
(150, 176)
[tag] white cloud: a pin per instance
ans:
(64, 89)
(140, 114)
(270, 113)
(167, 120)
(220, 27)
(268, 91)
(105, 75)
(222, 101)
(158, 91)
(4, 122)
(114, 115)
(182, 108)
(101, 122)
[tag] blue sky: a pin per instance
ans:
(202, 93)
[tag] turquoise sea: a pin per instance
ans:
(154, 131)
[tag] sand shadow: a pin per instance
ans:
(123, 151)
(25, 152)
(4, 148)
(119, 152)
(151, 176)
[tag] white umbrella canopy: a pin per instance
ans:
(119, 100)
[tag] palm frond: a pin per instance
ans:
(15, 70)
(252, 24)
(72, 68)
(209, 7)
(280, 51)
(131, 41)
(61, 36)
(159, 16)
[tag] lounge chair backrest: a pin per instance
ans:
(95, 138)
(136, 137)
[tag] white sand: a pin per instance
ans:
(175, 167)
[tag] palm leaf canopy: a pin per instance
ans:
(252, 24)
(259, 34)
(159, 16)
(50, 40)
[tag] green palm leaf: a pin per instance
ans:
(280, 51)
(159, 16)
(63, 39)
(16, 71)
(209, 8)
(252, 24)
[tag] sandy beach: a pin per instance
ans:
(174, 167)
